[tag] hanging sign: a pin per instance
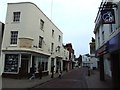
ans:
(108, 16)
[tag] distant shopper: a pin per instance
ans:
(40, 71)
(52, 71)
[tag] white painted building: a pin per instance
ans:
(93, 61)
(108, 41)
(30, 38)
(1, 37)
(85, 61)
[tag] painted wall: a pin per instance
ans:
(29, 27)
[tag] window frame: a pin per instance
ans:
(53, 33)
(52, 47)
(16, 16)
(14, 36)
(59, 38)
(41, 24)
(40, 45)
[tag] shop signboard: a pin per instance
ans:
(108, 16)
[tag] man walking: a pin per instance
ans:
(40, 71)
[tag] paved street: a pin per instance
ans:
(76, 78)
(72, 79)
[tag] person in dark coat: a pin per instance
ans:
(32, 73)
(52, 71)
(40, 71)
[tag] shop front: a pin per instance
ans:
(101, 53)
(20, 64)
(114, 50)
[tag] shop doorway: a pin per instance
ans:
(24, 65)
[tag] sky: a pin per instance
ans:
(75, 18)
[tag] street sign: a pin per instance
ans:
(108, 16)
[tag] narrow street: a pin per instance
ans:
(72, 79)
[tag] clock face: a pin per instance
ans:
(108, 16)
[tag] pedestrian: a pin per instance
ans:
(59, 73)
(52, 71)
(40, 71)
(32, 73)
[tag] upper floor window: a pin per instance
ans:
(112, 28)
(59, 38)
(103, 35)
(16, 16)
(58, 48)
(41, 24)
(14, 37)
(40, 41)
(52, 33)
(52, 47)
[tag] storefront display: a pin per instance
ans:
(11, 63)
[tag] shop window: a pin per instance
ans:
(44, 66)
(11, 63)
(43, 61)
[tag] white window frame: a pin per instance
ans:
(41, 24)
(40, 42)
(14, 37)
(16, 16)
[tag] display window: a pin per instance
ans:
(11, 63)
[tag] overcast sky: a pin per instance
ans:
(75, 18)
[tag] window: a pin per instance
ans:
(102, 29)
(52, 47)
(98, 41)
(14, 36)
(103, 35)
(43, 61)
(41, 24)
(112, 28)
(52, 33)
(40, 41)
(11, 63)
(58, 48)
(16, 16)
(59, 38)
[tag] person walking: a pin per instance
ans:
(40, 71)
(32, 73)
(52, 71)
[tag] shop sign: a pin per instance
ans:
(108, 16)
(103, 50)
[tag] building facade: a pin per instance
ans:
(30, 39)
(72, 62)
(94, 61)
(107, 37)
(1, 37)
(86, 61)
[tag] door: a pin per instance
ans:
(24, 65)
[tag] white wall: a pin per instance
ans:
(29, 27)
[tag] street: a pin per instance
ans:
(72, 79)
